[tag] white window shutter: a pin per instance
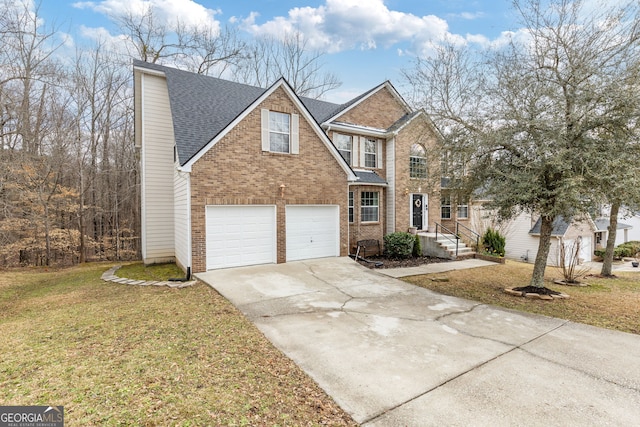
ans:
(362, 145)
(265, 129)
(379, 154)
(295, 134)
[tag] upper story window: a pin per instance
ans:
(418, 162)
(279, 132)
(344, 143)
(453, 164)
(370, 153)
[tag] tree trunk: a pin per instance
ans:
(546, 227)
(47, 235)
(611, 239)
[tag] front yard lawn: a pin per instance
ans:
(608, 303)
(129, 355)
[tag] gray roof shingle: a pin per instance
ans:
(560, 226)
(602, 224)
(368, 177)
(203, 106)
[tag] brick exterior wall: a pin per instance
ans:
(380, 110)
(367, 230)
(236, 172)
(417, 131)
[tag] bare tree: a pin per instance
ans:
(27, 70)
(202, 48)
(269, 58)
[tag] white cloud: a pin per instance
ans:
(170, 11)
(470, 16)
(339, 25)
(347, 24)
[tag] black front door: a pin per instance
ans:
(417, 210)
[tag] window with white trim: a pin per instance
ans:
(418, 162)
(279, 132)
(369, 206)
(351, 205)
(370, 153)
(445, 207)
(344, 144)
(463, 211)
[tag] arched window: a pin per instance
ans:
(418, 162)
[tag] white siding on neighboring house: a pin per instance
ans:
(633, 234)
(182, 226)
(630, 234)
(553, 259)
(157, 170)
(519, 244)
(391, 188)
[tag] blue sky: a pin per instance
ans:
(368, 41)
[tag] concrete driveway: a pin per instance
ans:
(392, 354)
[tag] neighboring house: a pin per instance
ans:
(523, 237)
(628, 226)
(236, 175)
(633, 221)
(602, 232)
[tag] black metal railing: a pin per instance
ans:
(468, 233)
(451, 233)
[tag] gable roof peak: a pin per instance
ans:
(362, 97)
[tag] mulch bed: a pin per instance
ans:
(395, 263)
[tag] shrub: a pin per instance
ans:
(627, 249)
(399, 244)
(623, 250)
(417, 247)
(493, 242)
(599, 252)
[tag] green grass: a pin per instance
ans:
(159, 272)
(612, 303)
(117, 355)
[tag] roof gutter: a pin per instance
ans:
(356, 129)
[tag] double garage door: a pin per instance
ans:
(246, 235)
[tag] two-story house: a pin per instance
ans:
(235, 175)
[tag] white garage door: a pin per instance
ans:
(312, 231)
(586, 251)
(240, 235)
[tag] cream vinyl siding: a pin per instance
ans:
(391, 188)
(182, 226)
(519, 241)
(157, 169)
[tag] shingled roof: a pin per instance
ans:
(560, 226)
(369, 177)
(203, 106)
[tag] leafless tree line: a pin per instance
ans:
(69, 185)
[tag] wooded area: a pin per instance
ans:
(69, 185)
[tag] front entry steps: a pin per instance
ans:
(444, 246)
